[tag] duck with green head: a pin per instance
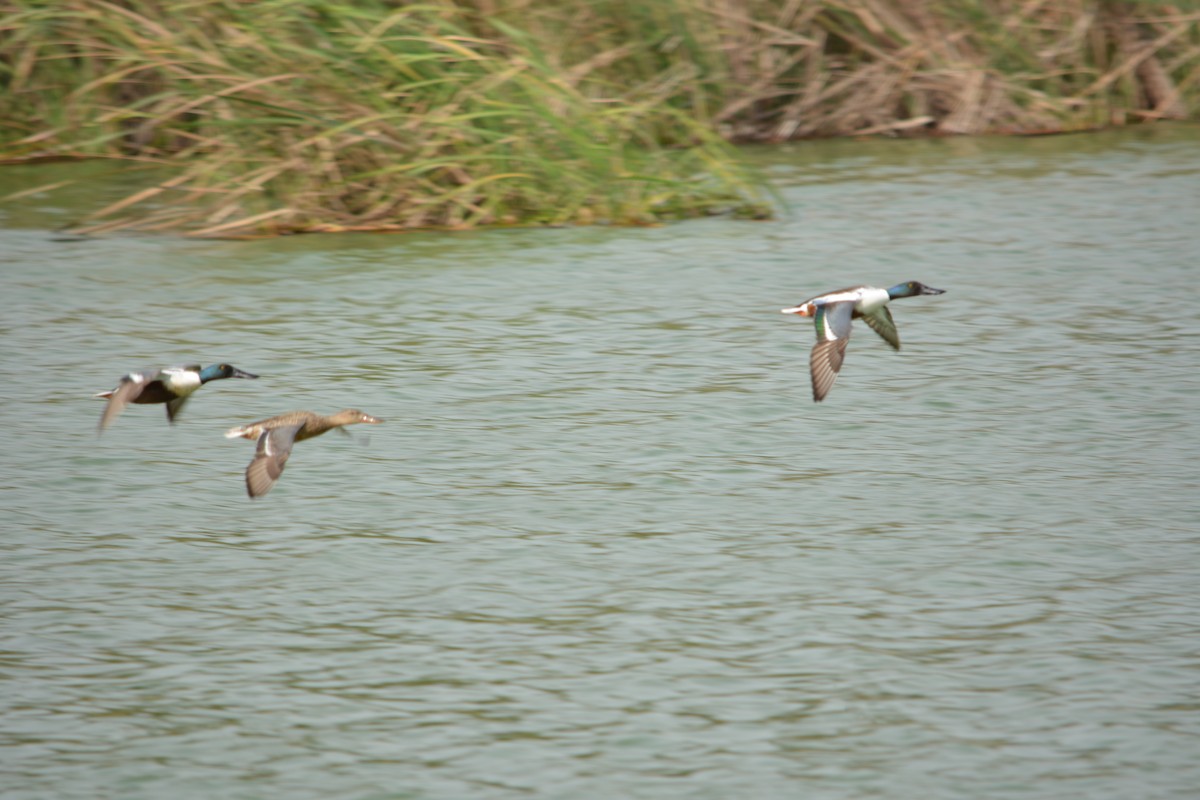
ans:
(170, 385)
(833, 312)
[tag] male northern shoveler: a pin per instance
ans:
(172, 385)
(277, 435)
(835, 310)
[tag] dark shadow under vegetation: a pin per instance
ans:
(287, 116)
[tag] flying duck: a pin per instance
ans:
(171, 385)
(835, 310)
(277, 435)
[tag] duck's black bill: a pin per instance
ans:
(931, 290)
(241, 373)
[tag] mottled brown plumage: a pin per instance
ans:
(277, 435)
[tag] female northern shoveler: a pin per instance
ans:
(835, 310)
(172, 385)
(277, 435)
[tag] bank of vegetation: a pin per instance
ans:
(283, 116)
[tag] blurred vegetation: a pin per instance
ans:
(273, 116)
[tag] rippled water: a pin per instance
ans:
(605, 546)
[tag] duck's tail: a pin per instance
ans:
(103, 395)
(241, 432)
(808, 309)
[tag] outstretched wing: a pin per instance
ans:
(824, 362)
(274, 447)
(833, 334)
(174, 407)
(128, 390)
(881, 322)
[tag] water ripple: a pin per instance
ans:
(605, 545)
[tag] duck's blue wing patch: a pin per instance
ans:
(833, 320)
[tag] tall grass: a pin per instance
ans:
(288, 115)
(309, 115)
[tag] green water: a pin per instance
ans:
(605, 545)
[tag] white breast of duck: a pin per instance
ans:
(870, 298)
(181, 382)
(865, 298)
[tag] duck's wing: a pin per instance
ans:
(274, 447)
(881, 322)
(129, 389)
(833, 334)
(174, 407)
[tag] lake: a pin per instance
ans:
(605, 545)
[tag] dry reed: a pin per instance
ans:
(288, 116)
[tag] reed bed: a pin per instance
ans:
(287, 116)
(281, 116)
(778, 70)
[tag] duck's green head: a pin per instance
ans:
(217, 371)
(912, 289)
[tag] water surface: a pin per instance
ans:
(605, 545)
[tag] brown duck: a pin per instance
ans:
(277, 435)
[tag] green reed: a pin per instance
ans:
(303, 115)
(299, 116)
